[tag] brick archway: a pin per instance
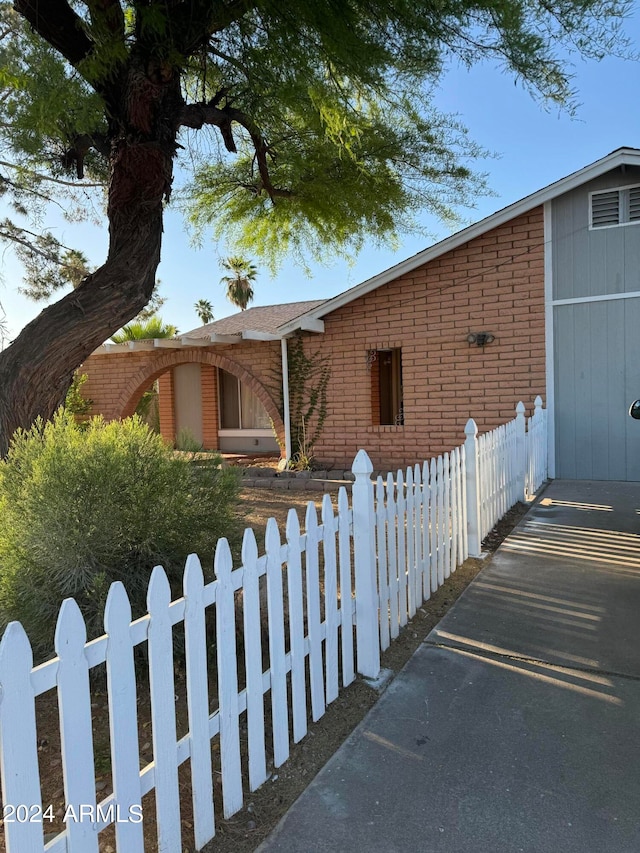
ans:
(161, 363)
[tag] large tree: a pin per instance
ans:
(308, 122)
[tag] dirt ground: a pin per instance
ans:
(264, 807)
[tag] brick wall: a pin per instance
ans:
(117, 380)
(494, 283)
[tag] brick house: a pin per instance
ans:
(542, 297)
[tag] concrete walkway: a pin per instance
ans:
(515, 727)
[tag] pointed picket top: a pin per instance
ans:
(159, 592)
(293, 526)
(362, 465)
(193, 580)
(445, 464)
(440, 467)
(417, 479)
(471, 428)
(71, 631)
(433, 470)
(380, 493)
(249, 553)
(400, 482)
(327, 509)
(223, 561)
(409, 479)
(391, 486)
(425, 472)
(117, 610)
(311, 517)
(15, 651)
(272, 539)
(520, 408)
(343, 501)
(538, 402)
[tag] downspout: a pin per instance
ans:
(285, 398)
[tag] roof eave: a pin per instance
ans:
(620, 157)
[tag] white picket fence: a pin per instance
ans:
(336, 595)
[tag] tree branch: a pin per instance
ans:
(59, 25)
(197, 115)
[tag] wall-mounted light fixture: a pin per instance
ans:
(480, 338)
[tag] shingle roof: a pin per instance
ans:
(262, 318)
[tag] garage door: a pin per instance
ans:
(597, 377)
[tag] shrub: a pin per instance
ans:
(81, 509)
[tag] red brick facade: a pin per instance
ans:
(494, 283)
(118, 379)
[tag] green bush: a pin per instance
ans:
(83, 508)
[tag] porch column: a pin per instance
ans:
(166, 407)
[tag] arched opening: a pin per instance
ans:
(209, 400)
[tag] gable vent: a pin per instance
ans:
(634, 204)
(605, 209)
(615, 207)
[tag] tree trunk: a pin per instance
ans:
(37, 368)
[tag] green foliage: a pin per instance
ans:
(141, 330)
(75, 402)
(239, 281)
(308, 379)
(323, 129)
(82, 509)
(186, 441)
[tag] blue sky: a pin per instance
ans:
(534, 147)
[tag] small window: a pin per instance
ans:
(386, 387)
(615, 207)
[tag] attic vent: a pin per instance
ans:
(615, 207)
(605, 209)
(634, 204)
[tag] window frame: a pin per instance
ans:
(623, 207)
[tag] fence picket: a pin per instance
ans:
(76, 735)
(296, 627)
(453, 515)
(401, 511)
(277, 661)
(316, 673)
(228, 711)
(447, 528)
(198, 702)
(346, 588)
(463, 503)
(383, 578)
(392, 561)
(252, 626)
(417, 533)
(123, 717)
(330, 600)
(163, 714)
(426, 548)
(411, 555)
(433, 524)
(19, 740)
(441, 524)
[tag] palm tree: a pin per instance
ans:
(204, 310)
(238, 282)
(141, 330)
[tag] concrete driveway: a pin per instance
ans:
(515, 727)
